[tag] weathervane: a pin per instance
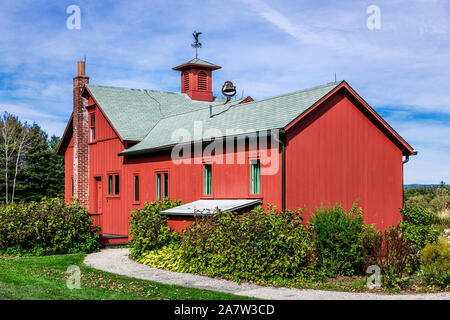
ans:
(196, 43)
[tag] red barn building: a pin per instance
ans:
(322, 145)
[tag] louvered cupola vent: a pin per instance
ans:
(202, 81)
(186, 81)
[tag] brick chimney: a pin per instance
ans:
(80, 138)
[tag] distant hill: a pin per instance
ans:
(420, 185)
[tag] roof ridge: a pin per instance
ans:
(247, 103)
(198, 59)
(297, 91)
(134, 89)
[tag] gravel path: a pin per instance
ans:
(117, 261)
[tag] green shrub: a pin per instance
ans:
(46, 227)
(416, 225)
(256, 246)
(435, 263)
(337, 237)
(167, 258)
(149, 229)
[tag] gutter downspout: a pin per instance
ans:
(403, 162)
(282, 140)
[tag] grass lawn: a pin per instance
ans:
(45, 278)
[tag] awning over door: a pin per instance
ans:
(209, 207)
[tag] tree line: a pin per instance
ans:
(29, 166)
(433, 197)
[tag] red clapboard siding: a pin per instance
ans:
(337, 155)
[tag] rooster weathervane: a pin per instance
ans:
(196, 43)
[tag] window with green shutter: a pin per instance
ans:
(255, 177)
(207, 179)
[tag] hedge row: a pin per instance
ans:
(46, 227)
(265, 246)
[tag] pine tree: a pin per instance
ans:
(44, 175)
(41, 171)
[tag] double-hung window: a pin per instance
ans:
(113, 184)
(92, 127)
(162, 185)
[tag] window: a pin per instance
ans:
(255, 177)
(110, 186)
(116, 184)
(166, 185)
(113, 184)
(158, 186)
(201, 80)
(162, 185)
(92, 127)
(73, 186)
(186, 81)
(207, 179)
(136, 188)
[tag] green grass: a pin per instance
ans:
(45, 278)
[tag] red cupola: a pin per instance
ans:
(196, 79)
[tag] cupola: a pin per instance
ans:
(196, 79)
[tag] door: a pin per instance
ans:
(99, 195)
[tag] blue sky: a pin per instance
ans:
(265, 47)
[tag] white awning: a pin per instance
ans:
(209, 207)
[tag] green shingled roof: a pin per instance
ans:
(134, 112)
(271, 113)
(199, 62)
